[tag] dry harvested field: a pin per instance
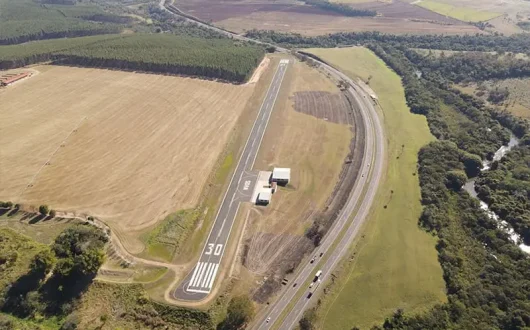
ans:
(404, 10)
(310, 133)
(128, 148)
(513, 11)
(287, 16)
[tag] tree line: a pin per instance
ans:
(518, 43)
(472, 66)
(340, 8)
(212, 58)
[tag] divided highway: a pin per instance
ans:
(200, 281)
(351, 217)
(349, 222)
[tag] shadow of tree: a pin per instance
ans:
(59, 293)
(12, 212)
(36, 219)
(3, 211)
(15, 301)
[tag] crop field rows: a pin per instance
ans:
(138, 145)
(397, 17)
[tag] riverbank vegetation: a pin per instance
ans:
(487, 276)
(506, 188)
(383, 271)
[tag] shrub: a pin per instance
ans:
(44, 209)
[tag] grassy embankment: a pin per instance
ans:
(395, 265)
(465, 14)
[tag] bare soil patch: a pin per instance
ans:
(214, 11)
(313, 25)
(127, 148)
(290, 16)
(400, 9)
(323, 105)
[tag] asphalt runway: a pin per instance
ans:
(199, 282)
(358, 206)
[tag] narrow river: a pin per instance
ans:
(470, 188)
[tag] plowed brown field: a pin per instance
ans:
(128, 148)
(291, 16)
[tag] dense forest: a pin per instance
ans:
(451, 115)
(159, 53)
(472, 66)
(22, 21)
(519, 43)
(14, 56)
(487, 276)
(340, 8)
(213, 58)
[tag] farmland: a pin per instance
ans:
(118, 144)
(395, 265)
(467, 14)
(502, 15)
(286, 16)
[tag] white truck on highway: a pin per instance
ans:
(317, 275)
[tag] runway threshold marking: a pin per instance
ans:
(205, 271)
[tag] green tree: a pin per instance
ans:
(240, 312)
(307, 322)
(53, 213)
(43, 262)
(89, 262)
(455, 180)
(44, 209)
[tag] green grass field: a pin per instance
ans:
(165, 239)
(465, 14)
(395, 265)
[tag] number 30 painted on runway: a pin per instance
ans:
(218, 249)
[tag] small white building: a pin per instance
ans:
(281, 175)
(264, 196)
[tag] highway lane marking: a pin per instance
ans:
(369, 153)
(279, 74)
(357, 220)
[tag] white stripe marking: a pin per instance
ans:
(206, 274)
(199, 274)
(210, 275)
(203, 272)
(198, 291)
(213, 276)
(194, 273)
